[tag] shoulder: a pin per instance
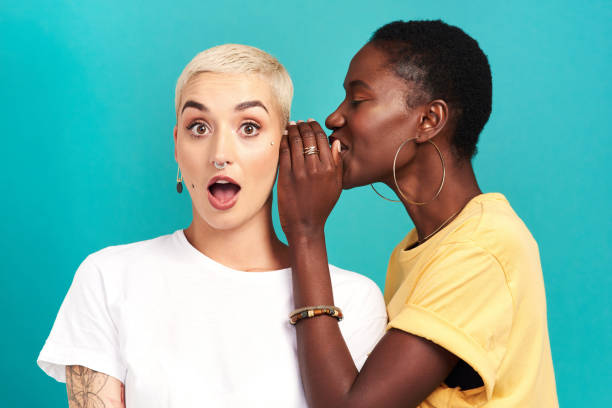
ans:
(492, 224)
(364, 310)
(115, 263)
(355, 291)
(108, 271)
(131, 252)
(342, 278)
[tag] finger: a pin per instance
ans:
(297, 149)
(325, 154)
(337, 157)
(284, 158)
(309, 141)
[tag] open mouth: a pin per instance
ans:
(343, 148)
(223, 192)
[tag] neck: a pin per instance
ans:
(252, 246)
(421, 180)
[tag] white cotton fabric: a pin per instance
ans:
(181, 330)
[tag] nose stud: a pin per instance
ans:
(220, 166)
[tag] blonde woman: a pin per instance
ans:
(199, 317)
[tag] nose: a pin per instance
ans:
(221, 148)
(336, 119)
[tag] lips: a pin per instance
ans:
(223, 192)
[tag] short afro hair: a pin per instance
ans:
(447, 64)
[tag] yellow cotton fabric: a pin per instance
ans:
(476, 289)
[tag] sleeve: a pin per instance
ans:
(462, 303)
(369, 319)
(84, 332)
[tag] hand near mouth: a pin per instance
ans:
(309, 181)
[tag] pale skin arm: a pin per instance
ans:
(91, 389)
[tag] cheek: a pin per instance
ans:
(377, 131)
(260, 167)
(192, 165)
(379, 128)
(368, 130)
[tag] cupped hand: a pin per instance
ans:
(309, 185)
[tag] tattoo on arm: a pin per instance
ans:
(90, 389)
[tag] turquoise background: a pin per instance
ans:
(86, 109)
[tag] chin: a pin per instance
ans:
(220, 220)
(348, 181)
(225, 222)
(346, 185)
(363, 175)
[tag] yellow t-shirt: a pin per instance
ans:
(476, 289)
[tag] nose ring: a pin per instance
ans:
(220, 166)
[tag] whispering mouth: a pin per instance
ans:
(343, 147)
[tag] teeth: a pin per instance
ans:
(222, 182)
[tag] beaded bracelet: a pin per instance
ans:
(312, 311)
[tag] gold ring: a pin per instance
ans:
(311, 150)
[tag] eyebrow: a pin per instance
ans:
(194, 104)
(240, 107)
(358, 82)
(250, 104)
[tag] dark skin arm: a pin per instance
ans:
(403, 369)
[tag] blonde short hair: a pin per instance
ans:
(240, 59)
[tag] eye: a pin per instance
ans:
(198, 129)
(356, 102)
(250, 129)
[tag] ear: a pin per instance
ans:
(432, 121)
(175, 140)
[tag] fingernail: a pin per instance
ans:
(300, 121)
(292, 122)
(339, 147)
(310, 120)
(285, 132)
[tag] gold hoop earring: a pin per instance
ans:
(399, 190)
(179, 181)
(382, 196)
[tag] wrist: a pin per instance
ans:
(306, 235)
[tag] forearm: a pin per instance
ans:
(311, 280)
(326, 365)
(88, 388)
(402, 369)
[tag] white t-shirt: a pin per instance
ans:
(181, 330)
